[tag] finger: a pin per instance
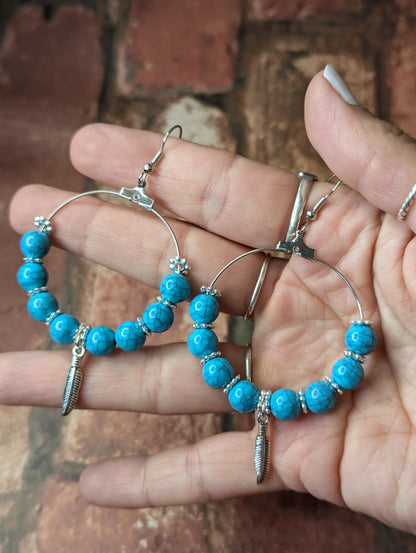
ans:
(164, 379)
(216, 468)
(370, 155)
(134, 242)
(227, 194)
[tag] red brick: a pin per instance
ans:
(275, 131)
(14, 447)
(399, 63)
(278, 10)
(180, 45)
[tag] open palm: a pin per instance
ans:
(361, 453)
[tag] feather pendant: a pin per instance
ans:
(73, 384)
(262, 453)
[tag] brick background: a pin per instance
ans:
(235, 78)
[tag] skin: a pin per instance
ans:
(360, 455)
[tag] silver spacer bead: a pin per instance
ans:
(166, 302)
(39, 260)
(52, 316)
(203, 325)
(210, 291)
(263, 405)
(302, 400)
(210, 356)
(231, 384)
(43, 224)
(179, 265)
(37, 290)
(334, 386)
(361, 322)
(79, 339)
(356, 356)
(143, 326)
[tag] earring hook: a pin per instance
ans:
(148, 167)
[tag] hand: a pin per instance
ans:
(359, 455)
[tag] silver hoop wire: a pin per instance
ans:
(268, 251)
(136, 195)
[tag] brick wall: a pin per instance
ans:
(234, 74)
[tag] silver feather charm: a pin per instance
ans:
(262, 453)
(71, 392)
(262, 447)
(74, 378)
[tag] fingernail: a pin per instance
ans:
(338, 84)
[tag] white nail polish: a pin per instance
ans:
(338, 84)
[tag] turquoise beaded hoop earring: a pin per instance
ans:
(101, 340)
(285, 404)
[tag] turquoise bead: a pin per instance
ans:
(158, 317)
(35, 244)
(361, 339)
(32, 275)
(218, 372)
(42, 305)
(347, 373)
(204, 308)
(63, 328)
(285, 404)
(320, 397)
(175, 288)
(202, 342)
(130, 336)
(100, 340)
(244, 396)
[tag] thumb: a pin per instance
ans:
(370, 155)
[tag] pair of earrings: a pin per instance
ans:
(243, 394)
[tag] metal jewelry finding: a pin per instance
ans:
(402, 214)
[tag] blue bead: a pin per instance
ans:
(204, 308)
(42, 305)
(175, 288)
(100, 340)
(158, 317)
(320, 397)
(347, 373)
(244, 396)
(361, 339)
(130, 336)
(202, 342)
(35, 244)
(63, 328)
(285, 404)
(32, 275)
(218, 372)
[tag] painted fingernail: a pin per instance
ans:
(338, 84)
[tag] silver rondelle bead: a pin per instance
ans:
(166, 302)
(143, 326)
(231, 384)
(210, 291)
(210, 356)
(52, 316)
(334, 386)
(302, 400)
(356, 356)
